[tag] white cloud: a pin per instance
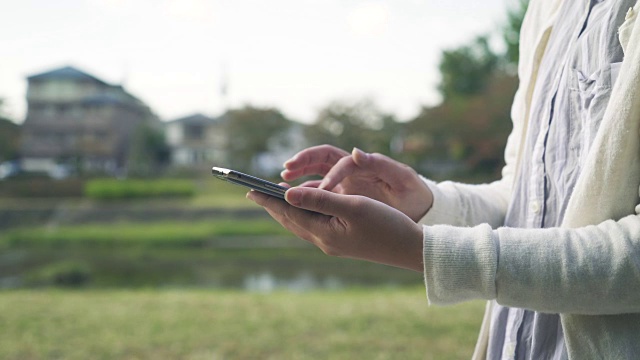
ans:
(191, 10)
(121, 5)
(296, 55)
(111, 4)
(369, 19)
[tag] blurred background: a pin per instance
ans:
(116, 242)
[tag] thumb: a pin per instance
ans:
(321, 201)
(359, 157)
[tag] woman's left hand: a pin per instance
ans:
(350, 226)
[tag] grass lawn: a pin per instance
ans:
(201, 324)
(213, 192)
(184, 233)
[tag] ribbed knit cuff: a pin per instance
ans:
(444, 209)
(460, 263)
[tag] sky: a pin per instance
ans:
(294, 55)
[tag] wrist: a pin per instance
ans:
(424, 202)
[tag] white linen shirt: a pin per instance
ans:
(588, 269)
(568, 104)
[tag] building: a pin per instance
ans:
(280, 148)
(197, 140)
(80, 122)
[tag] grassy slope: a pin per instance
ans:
(351, 324)
(185, 233)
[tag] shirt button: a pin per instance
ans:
(509, 351)
(535, 207)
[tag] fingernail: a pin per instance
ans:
(294, 196)
(357, 153)
(250, 195)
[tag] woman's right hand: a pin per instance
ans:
(372, 175)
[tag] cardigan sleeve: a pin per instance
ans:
(593, 270)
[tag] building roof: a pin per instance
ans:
(194, 119)
(67, 72)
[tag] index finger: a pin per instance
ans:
(316, 160)
(343, 168)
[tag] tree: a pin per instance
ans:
(149, 152)
(466, 134)
(251, 131)
(9, 136)
(465, 70)
(471, 131)
(511, 33)
(360, 124)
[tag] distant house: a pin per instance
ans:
(280, 148)
(77, 120)
(196, 140)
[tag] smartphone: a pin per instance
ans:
(252, 182)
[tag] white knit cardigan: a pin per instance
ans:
(588, 270)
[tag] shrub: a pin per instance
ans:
(63, 274)
(31, 187)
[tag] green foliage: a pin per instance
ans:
(471, 131)
(68, 273)
(465, 70)
(111, 189)
(149, 151)
(511, 32)
(180, 234)
(465, 135)
(23, 186)
(9, 136)
(250, 130)
(353, 324)
(347, 125)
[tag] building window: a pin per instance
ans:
(49, 111)
(194, 132)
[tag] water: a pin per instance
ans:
(265, 282)
(255, 270)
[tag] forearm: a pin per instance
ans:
(591, 270)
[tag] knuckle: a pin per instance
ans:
(378, 157)
(377, 160)
(326, 149)
(359, 203)
(321, 201)
(343, 166)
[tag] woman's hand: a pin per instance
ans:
(372, 175)
(348, 225)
